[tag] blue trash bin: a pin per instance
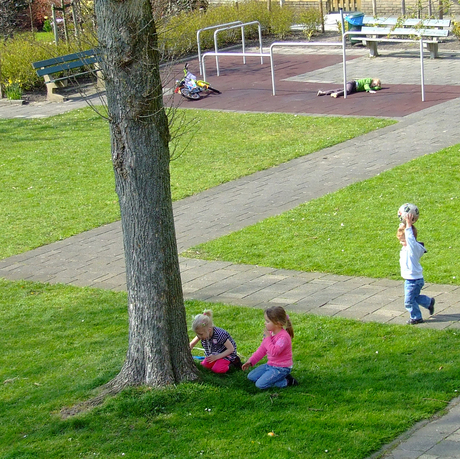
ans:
(355, 21)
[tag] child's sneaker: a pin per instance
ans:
(415, 321)
(431, 308)
(236, 363)
(320, 93)
(291, 381)
(334, 95)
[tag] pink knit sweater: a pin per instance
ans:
(277, 348)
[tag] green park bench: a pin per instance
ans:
(86, 62)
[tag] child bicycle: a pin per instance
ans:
(191, 88)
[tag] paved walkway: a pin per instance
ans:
(95, 258)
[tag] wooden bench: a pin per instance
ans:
(390, 29)
(86, 61)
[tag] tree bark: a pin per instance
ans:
(158, 352)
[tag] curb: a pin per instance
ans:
(12, 102)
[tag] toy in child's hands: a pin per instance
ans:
(408, 208)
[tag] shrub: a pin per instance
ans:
(311, 19)
(281, 20)
(47, 27)
(456, 29)
(177, 34)
(16, 57)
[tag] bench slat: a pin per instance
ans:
(66, 66)
(392, 21)
(379, 21)
(63, 59)
(404, 31)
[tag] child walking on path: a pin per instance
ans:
(277, 346)
(412, 271)
(219, 347)
(370, 85)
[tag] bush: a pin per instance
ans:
(16, 57)
(281, 20)
(177, 35)
(456, 29)
(47, 27)
(311, 19)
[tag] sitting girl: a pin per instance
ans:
(277, 346)
(219, 347)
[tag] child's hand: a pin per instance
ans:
(372, 91)
(211, 358)
(409, 219)
(246, 366)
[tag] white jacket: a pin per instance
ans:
(409, 257)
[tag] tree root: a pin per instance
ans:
(110, 389)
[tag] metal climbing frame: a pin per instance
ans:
(398, 40)
(243, 25)
(210, 28)
(261, 55)
(304, 44)
(291, 44)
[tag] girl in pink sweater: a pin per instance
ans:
(277, 346)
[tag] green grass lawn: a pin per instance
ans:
(352, 231)
(57, 182)
(360, 385)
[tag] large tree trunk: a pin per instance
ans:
(158, 351)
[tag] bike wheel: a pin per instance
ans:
(190, 95)
(214, 90)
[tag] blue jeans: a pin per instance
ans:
(413, 299)
(266, 376)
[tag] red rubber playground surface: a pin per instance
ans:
(248, 87)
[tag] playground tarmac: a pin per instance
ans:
(96, 258)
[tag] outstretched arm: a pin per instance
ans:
(194, 342)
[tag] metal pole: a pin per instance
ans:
(260, 43)
(216, 51)
(342, 22)
(199, 51)
(422, 72)
(55, 28)
(272, 69)
(344, 59)
(243, 44)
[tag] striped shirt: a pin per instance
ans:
(215, 344)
